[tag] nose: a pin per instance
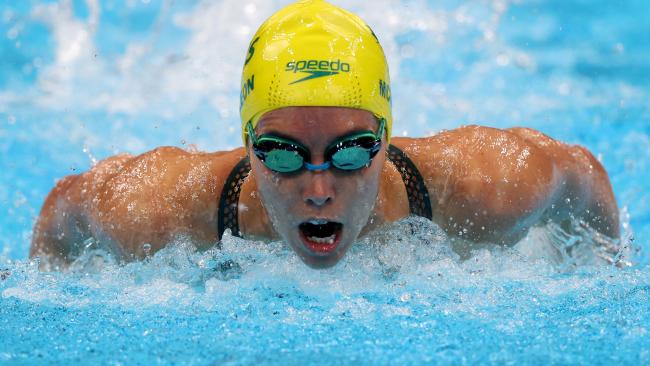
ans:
(319, 190)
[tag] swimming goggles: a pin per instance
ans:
(350, 152)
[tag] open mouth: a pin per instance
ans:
(321, 236)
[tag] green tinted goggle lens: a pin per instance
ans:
(351, 158)
(347, 153)
(283, 161)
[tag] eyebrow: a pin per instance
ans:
(279, 134)
(276, 133)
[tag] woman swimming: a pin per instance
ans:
(319, 167)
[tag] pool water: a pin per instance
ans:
(82, 80)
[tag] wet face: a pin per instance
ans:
(319, 213)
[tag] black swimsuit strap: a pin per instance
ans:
(416, 190)
(229, 201)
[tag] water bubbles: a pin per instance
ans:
(4, 274)
(7, 16)
(619, 48)
(503, 60)
(407, 50)
(146, 249)
(250, 9)
(27, 69)
(12, 33)
(89, 243)
(37, 62)
(564, 88)
(500, 6)
(91, 157)
(11, 119)
(20, 200)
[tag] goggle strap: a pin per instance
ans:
(382, 125)
(251, 132)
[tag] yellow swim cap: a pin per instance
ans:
(312, 53)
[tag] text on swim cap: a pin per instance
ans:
(316, 68)
(251, 51)
(246, 89)
(384, 90)
(318, 65)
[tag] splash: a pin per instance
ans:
(412, 253)
(400, 297)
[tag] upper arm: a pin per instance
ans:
(126, 201)
(500, 186)
(586, 191)
(156, 196)
(162, 194)
(486, 184)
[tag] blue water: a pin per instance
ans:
(82, 80)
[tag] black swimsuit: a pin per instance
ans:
(418, 196)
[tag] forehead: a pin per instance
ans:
(299, 122)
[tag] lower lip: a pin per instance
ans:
(321, 248)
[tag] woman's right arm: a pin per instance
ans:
(63, 224)
(125, 202)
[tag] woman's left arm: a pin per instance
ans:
(489, 184)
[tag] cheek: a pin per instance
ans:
(361, 192)
(277, 194)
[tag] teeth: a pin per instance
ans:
(327, 240)
(318, 222)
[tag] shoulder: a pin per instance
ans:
(474, 141)
(161, 193)
(162, 186)
(167, 173)
(483, 167)
(456, 150)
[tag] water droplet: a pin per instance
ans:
(619, 48)
(11, 119)
(503, 60)
(88, 243)
(147, 249)
(12, 33)
(250, 9)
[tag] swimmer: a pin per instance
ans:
(318, 167)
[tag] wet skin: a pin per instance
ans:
(485, 185)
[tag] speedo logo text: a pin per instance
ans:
(316, 68)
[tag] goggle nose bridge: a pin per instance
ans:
(318, 167)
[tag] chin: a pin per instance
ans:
(320, 262)
(318, 255)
